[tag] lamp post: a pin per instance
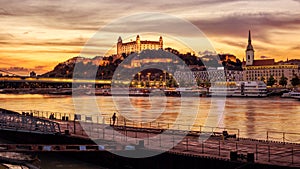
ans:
(170, 79)
(165, 78)
(149, 74)
(139, 77)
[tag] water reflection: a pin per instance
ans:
(253, 116)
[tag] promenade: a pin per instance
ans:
(209, 142)
(197, 141)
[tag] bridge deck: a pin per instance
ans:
(27, 123)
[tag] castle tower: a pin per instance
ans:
(138, 43)
(160, 42)
(119, 46)
(249, 52)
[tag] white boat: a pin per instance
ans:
(295, 95)
(239, 89)
(286, 95)
(291, 94)
(184, 92)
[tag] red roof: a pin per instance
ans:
(263, 62)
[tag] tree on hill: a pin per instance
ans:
(283, 80)
(262, 79)
(199, 82)
(295, 80)
(271, 81)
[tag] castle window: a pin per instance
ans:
(248, 57)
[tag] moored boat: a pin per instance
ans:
(286, 95)
(295, 95)
(239, 89)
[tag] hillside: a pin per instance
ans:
(106, 66)
(86, 68)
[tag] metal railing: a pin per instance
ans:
(121, 121)
(180, 138)
(27, 122)
(284, 137)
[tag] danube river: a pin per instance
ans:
(252, 116)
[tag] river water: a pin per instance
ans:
(252, 116)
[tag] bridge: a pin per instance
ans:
(26, 122)
(52, 80)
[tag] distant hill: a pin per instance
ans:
(292, 62)
(86, 68)
(106, 66)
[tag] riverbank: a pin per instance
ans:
(104, 92)
(132, 91)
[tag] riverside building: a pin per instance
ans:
(263, 69)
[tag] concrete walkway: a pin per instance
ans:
(206, 144)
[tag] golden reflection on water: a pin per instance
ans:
(252, 116)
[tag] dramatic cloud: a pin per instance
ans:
(237, 25)
(295, 48)
(57, 30)
(264, 57)
(234, 43)
(206, 52)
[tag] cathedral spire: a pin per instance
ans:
(249, 51)
(119, 39)
(249, 38)
(249, 46)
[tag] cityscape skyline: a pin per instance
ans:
(39, 35)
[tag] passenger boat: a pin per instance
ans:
(286, 95)
(295, 95)
(120, 92)
(184, 92)
(239, 89)
(61, 92)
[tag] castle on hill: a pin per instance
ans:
(138, 45)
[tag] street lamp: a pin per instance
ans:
(170, 79)
(149, 74)
(139, 77)
(165, 78)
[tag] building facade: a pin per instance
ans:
(264, 72)
(212, 74)
(264, 69)
(138, 45)
(218, 74)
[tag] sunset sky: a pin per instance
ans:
(37, 35)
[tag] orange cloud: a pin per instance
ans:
(44, 33)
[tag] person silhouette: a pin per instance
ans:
(114, 117)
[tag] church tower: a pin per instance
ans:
(249, 52)
(160, 42)
(119, 46)
(138, 43)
